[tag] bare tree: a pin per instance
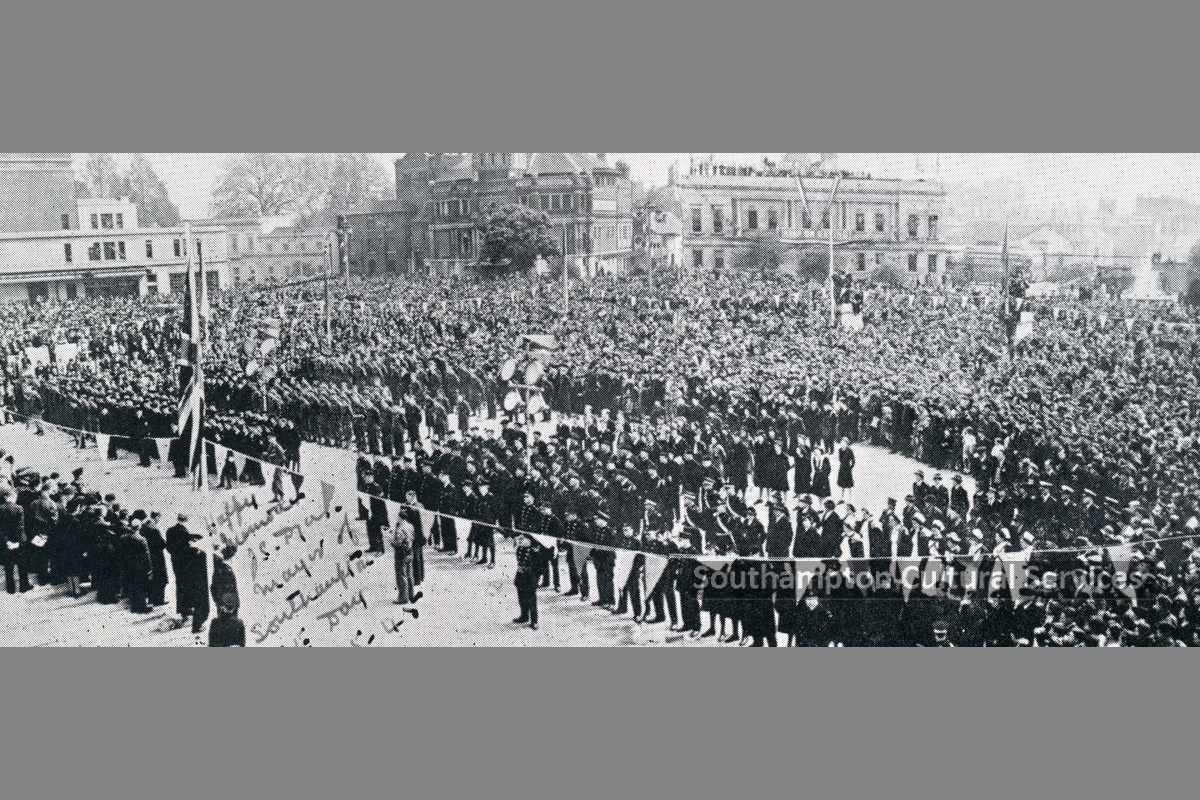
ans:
(259, 184)
(101, 176)
(313, 186)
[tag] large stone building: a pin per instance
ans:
(431, 224)
(875, 222)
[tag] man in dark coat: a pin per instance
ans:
(179, 540)
(224, 586)
(12, 531)
(136, 569)
(158, 560)
(487, 514)
(41, 530)
(529, 557)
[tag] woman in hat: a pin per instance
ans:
(845, 476)
(821, 470)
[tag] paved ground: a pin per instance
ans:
(464, 604)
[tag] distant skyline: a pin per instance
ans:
(1049, 179)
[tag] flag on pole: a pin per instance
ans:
(191, 378)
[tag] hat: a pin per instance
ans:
(183, 517)
(956, 478)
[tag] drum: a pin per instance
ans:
(508, 370)
(512, 400)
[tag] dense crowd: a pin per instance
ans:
(1081, 437)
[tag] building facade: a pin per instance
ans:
(37, 192)
(106, 260)
(874, 222)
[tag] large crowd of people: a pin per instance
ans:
(680, 409)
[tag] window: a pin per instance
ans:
(120, 220)
(95, 221)
(250, 243)
(66, 222)
(879, 222)
(149, 249)
(879, 258)
(110, 251)
(752, 218)
(933, 222)
(718, 260)
(524, 199)
(862, 260)
(914, 223)
(270, 247)
(106, 220)
(555, 202)
(825, 220)
(303, 246)
(545, 202)
(718, 213)
(933, 262)
(94, 252)
(860, 222)
(772, 219)
(67, 252)
(807, 221)
(178, 249)
(285, 246)
(698, 259)
(121, 250)
(233, 242)
(697, 222)
(912, 262)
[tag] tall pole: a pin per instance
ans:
(832, 297)
(328, 272)
(566, 277)
(347, 256)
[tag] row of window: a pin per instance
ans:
(115, 251)
(931, 261)
(860, 261)
(772, 221)
(449, 209)
(100, 221)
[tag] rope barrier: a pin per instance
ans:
(946, 558)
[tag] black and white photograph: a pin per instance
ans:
(667, 400)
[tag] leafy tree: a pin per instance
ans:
(81, 189)
(765, 254)
(515, 237)
(101, 176)
(1191, 281)
(888, 275)
(813, 264)
(147, 191)
(332, 183)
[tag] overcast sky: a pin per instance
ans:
(1049, 178)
